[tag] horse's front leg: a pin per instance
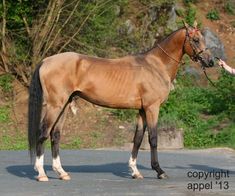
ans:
(139, 134)
(152, 119)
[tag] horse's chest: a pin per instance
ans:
(157, 91)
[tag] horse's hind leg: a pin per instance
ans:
(51, 125)
(55, 139)
(139, 134)
(40, 150)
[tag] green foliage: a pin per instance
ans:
(213, 15)
(191, 15)
(229, 7)
(226, 137)
(15, 11)
(18, 142)
(4, 114)
(20, 14)
(201, 111)
(124, 114)
(222, 100)
(6, 82)
(75, 144)
(156, 2)
(190, 1)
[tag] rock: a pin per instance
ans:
(127, 28)
(167, 139)
(171, 23)
(153, 13)
(214, 44)
(192, 72)
(117, 10)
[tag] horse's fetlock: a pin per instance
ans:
(55, 168)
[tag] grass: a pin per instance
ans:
(4, 114)
(6, 82)
(95, 138)
(13, 142)
(75, 144)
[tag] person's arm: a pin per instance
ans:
(226, 67)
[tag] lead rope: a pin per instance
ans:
(212, 83)
(207, 77)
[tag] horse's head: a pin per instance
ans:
(195, 46)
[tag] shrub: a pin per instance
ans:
(124, 114)
(207, 115)
(190, 1)
(221, 100)
(229, 7)
(213, 15)
(191, 15)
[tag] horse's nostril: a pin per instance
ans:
(211, 63)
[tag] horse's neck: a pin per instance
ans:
(170, 52)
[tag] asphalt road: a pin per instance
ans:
(105, 172)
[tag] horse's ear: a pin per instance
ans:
(195, 24)
(185, 24)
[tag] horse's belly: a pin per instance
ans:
(112, 99)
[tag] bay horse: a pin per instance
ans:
(141, 82)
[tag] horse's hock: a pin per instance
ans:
(167, 139)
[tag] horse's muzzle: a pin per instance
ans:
(208, 62)
(211, 62)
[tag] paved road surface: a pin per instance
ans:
(105, 172)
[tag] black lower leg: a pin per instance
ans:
(55, 138)
(42, 138)
(40, 147)
(139, 133)
(154, 155)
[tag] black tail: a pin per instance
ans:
(34, 111)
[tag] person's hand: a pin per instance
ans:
(221, 63)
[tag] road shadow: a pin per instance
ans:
(117, 169)
(205, 168)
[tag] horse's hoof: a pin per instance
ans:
(137, 176)
(163, 176)
(42, 179)
(65, 177)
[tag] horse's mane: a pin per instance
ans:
(159, 41)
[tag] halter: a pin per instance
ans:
(196, 55)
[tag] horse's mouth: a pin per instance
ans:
(208, 64)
